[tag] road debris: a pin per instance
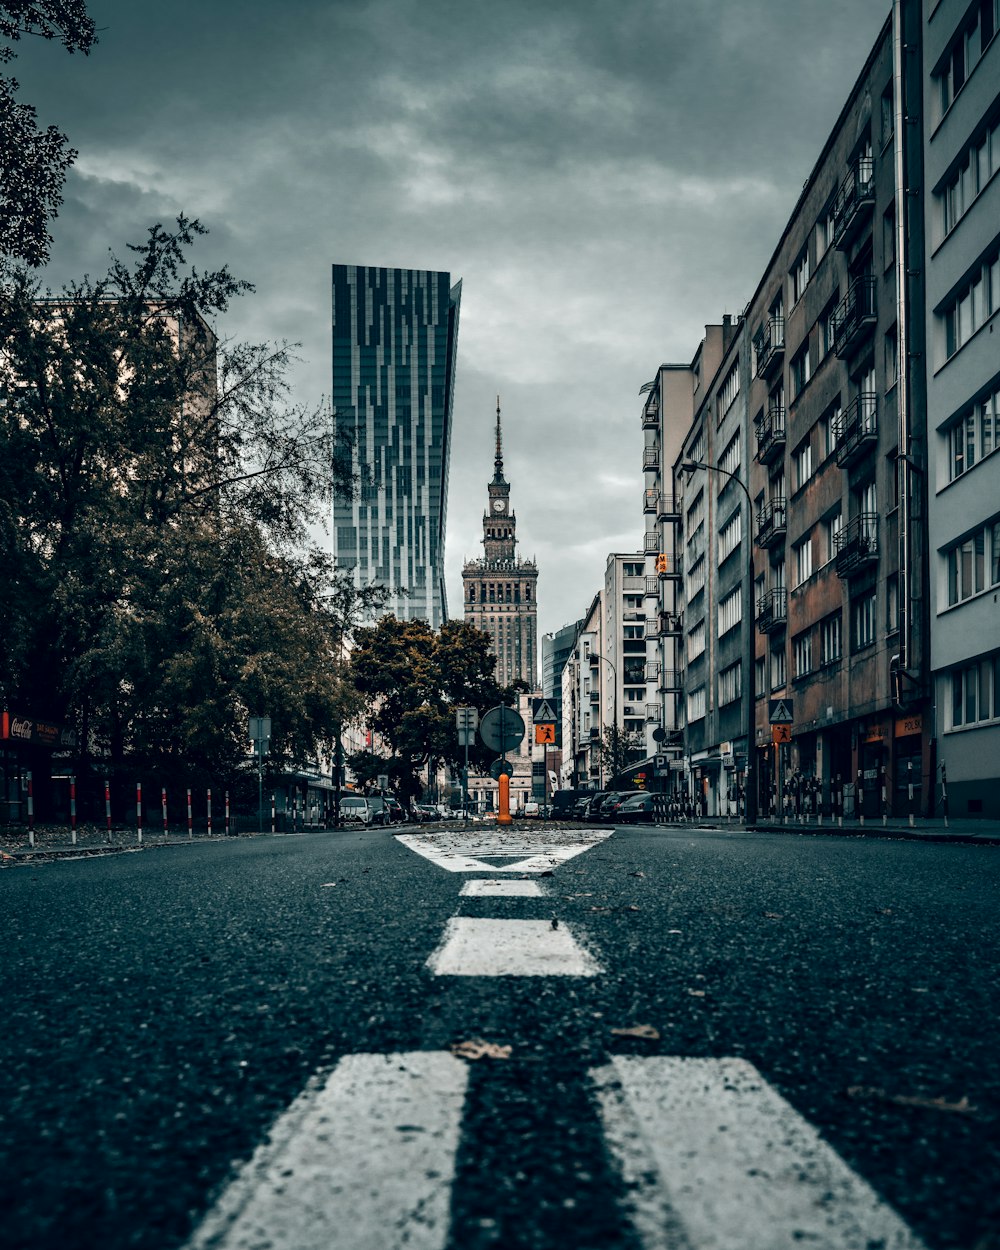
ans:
(645, 1031)
(872, 1093)
(476, 1048)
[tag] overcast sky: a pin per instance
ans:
(605, 176)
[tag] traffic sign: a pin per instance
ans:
(662, 763)
(502, 729)
(781, 712)
(781, 733)
(466, 737)
(501, 768)
(383, 781)
(659, 734)
(542, 712)
(545, 733)
(466, 718)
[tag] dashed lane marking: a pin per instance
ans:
(501, 889)
(715, 1159)
(364, 1161)
(510, 948)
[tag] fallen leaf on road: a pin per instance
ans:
(600, 908)
(476, 1048)
(884, 911)
(675, 930)
(873, 1093)
(638, 1030)
(697, 993)
(632, 907)
(555, 923)
(328, 885)
(588, 894)
(636, 874)
(773, 915)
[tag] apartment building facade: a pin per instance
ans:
(961, 208)
(581, 703)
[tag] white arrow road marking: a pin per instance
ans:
(364, 1161)
(501, 889)
(457, 852)
(509, 948)
(718, 1160)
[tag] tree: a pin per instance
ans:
(156, 490)
(412, 680)
(619, 748)
(33, 162)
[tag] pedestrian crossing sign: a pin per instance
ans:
(781, 712)
(543, 712)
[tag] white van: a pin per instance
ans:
(356, 807)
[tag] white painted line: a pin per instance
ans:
(501, 889)
(364, 1161)
(457, 855)
(510, 948)
(715, 1159)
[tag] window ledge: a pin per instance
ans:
(958, 94)
(965, 472)
(979, 594)
(972, 338)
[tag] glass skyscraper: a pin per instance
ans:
(395, 339)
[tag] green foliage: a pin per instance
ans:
(618, 750)
(411, 680)
(156, 490)
(33, 162)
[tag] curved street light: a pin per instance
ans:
(750, 811)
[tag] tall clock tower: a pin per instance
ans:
(500, 588)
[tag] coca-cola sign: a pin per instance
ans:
(17, 728)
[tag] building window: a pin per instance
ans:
(831, 528)
(973, 305)
(979, 163)
(803, 554)
(731, 611)
(696, 578)
(631, 569)
(802, 650)
(695, 515)
(696, 641)
(731, 683)
(966, 49)
(974, 435)
(975, 693)
(729, 538)
(888, 236)
(824, 233)
(825, 329)
(778, 674)
(803, 464)
(760, 675)
(729, 389)
(892, 604)
(800, 372)
(863, 621)
(729, 462)
(696, 704)
(798, 278)
(830, 645)
(887, 118)
(974, 563)
(891, 358)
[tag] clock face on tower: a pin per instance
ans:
(498, 505)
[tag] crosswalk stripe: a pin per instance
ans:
(717, 1160)
(362, 1161)
(499, 948)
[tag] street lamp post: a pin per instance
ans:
(750, 813)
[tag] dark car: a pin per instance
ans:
(604, 810)
(396, 813)
(637, 807)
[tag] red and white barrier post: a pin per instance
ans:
(107, 805)
(190, 822)
(163, 804)
(138, 811)
(31, 810)
(209, 810)
(72, 810)
(272, 811)
(227, 813)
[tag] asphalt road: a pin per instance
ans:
(161, 1010)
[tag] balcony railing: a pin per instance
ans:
(771, 523)
(652, 670)
(651, 457)
(856, 429)
(595, 698)
(654, 712)
(770, 428)
(853, 319)
(652, 587)
(651, 417)
(670, 681)
(857, 544)
(668, 508)
(852, 209)
(772, 610)
(651, 543)
(650, 501)
(769, 346)
(669, 624)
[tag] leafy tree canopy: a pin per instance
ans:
(33, 162)
(619, 748)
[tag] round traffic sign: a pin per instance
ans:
(502, 729)
(501, 768)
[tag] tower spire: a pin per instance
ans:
(498, 458)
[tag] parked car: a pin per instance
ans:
(396, 813)
(426, 812)
(636, 808)
(603, 810)
(356, 807)
(531, 807)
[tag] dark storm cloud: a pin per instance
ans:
(605, 177)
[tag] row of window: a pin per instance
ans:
(974, 564)
(966, 49)
(802, 552)
(729, 389)
(979, 163)
(974, 304)
(974, 435)
(502, 592)
(830, 645)
(730, 536)
(730, 611)
(975, 693)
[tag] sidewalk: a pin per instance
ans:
(924, 829)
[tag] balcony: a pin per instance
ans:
(770, 430)
(594, 660)
(668, 508)
(853, 320)
(651, 458)
(595, 698)
(650, 501)
(651, 589)
(654, 713)
(772, 610)
(857, 544)
(651, 544)
(670, 681)
(769, 346)
(652, 670)
(595, 733)
(669, 567)
(771, 523)
(852, 209)
(669, 625)
(651, 416)
(856, 429)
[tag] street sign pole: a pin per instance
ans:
(503, 794)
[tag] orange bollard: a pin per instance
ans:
(503, 814)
